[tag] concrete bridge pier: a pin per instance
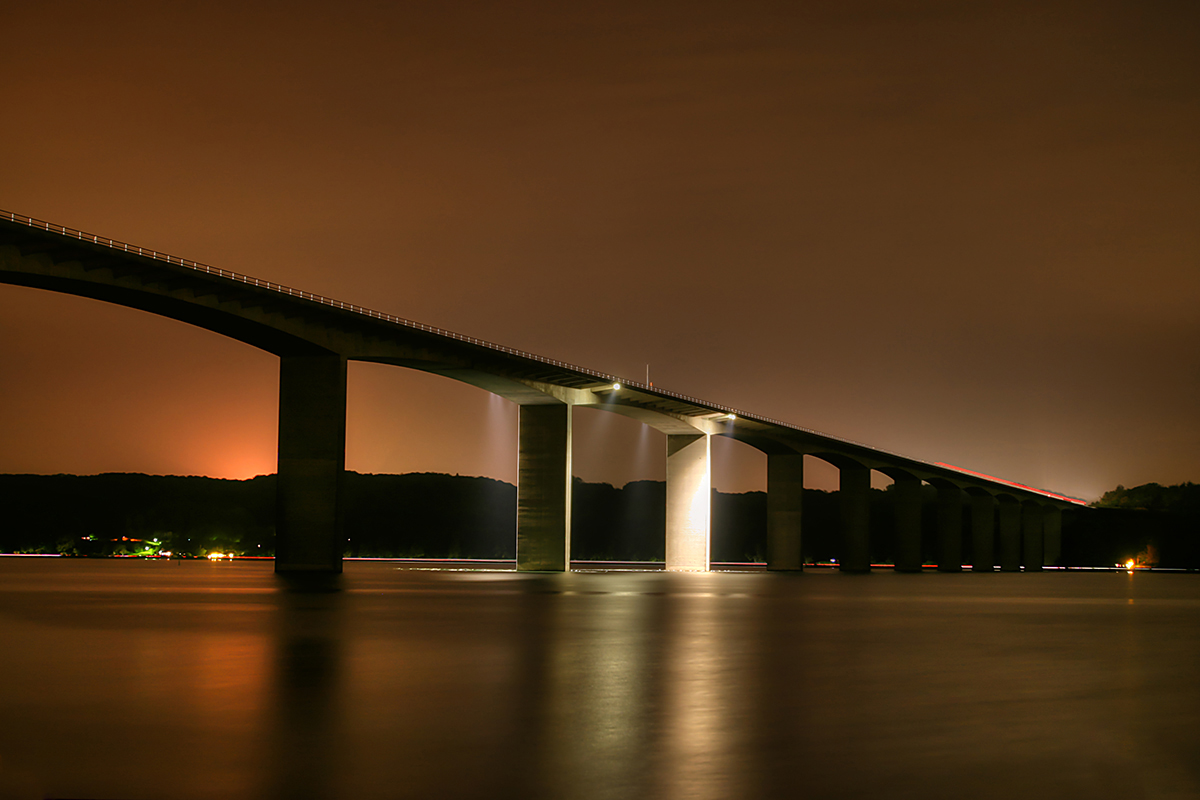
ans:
(544, 488)
(983, 527)
(854, 489)
(1052, 534)
(309, 534)
(1031, 537)
(907, 496)
(785, 500)
(949, 523)
(689, 502)
(1010, 535)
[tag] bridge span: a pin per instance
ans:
(1011, 525)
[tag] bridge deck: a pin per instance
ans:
(289, 321)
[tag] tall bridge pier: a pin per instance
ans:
(689, 502)
(983, 531)
(949, 523)
(854, 490)
(785, 506)
(309, 505)
(908, 507)
(544, 488)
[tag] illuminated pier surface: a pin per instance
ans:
(149, 679)
(316, 336)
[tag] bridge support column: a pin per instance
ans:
(983, 530)
(544, 488)
(785, 500)
(309, 535)
(949, 521)
(689, 502)
(854, 489)
(1052, 535)
(1010, 535)
(1031, 537)
(907, 496)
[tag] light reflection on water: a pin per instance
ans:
(155, 680)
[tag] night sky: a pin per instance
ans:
(964, 232)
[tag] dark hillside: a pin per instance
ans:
(449, 516)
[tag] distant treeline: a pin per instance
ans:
(434, 516)
(1182, 499)
(1152, 523)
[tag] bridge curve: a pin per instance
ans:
(315, 336)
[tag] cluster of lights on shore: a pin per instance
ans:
(155, 551)
(617, 387)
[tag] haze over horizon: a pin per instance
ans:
(962, 233)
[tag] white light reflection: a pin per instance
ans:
(699, 738)
(501, 442)
(600, 692)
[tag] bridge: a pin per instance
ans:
(1010, 524)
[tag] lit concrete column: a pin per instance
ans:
(854, 491)
(949, 522)
(983, 532)
(907, 496)
(1031, 536)
(1010, 535)
(785, 500)
(1052, 534)
(544, 488)
(309, 534)
(689, 502)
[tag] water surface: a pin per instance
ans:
(143, 679)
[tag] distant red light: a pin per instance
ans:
(1055, 495)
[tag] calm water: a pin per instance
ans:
(131, 679)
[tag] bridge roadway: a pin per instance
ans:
(1010, 524)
